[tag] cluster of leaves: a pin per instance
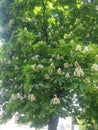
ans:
(88, 126)
(40, 38)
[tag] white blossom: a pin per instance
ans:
(94, 67)
(0, 81)
(13, 97)
(15, 78)
(16, 67)
(41, 84)
(31, 97)
(40, 66)
(78, 48)
(58, 57)
(77, 20)
(72, 41)
(25, 29)
(13, 57)
(67, 75)
(66, 65)
(53, 55)
(46, 76)
(11, 22)
(52, 66)
(59, 71)
(50, 71)
(97, 56)
(37, 86)
(9, 61)
(96, 87)
(76, 63)
(35, 57)
(25, 61)
(18, 95)
(33, 67)
(55, 100)
(70, 26)
(62, 27)
(16, 58)
(55, 43)
(50, 59)
(86, 49)
(62, 57)
(78, 72)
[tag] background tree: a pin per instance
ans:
(49, 59)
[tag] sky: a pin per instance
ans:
(63, 125)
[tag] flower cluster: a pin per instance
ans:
(78, 70)
(31, 97)
(11, 22)
(40, 66)
(59, 57)
(66, 65)
(55, 100)
(15, 58)
(52, 66)
(33, 67)
(50, 59)
(78, 48)
(0, 81)
(86, 49)
(76, 63)
(94, 67)
(46, 76)
(35, 57)
(16, 96)
(97, 56)
(36, 86)
(50, 71)
(59, 71)
(67, 75)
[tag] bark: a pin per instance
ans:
(53, 122)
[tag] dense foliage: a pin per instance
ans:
(49, 59)
(88, 126)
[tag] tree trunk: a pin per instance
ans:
(53, 122)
